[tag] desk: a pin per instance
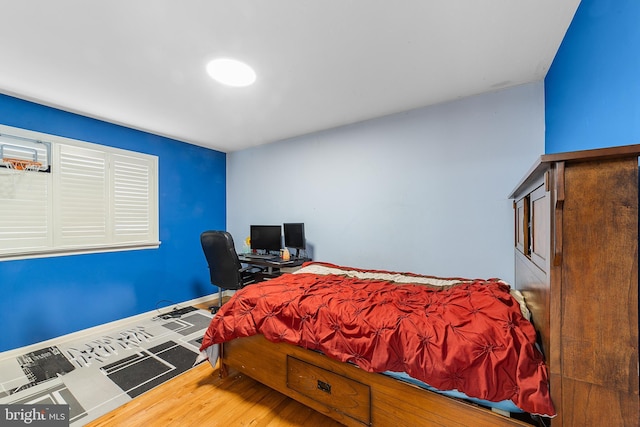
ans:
(273, 265)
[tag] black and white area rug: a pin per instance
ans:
(97, 373)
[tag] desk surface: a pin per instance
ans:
(274, 262)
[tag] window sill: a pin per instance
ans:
(32, 254)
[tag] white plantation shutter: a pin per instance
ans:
(133, 202)
(81, 205)
(94, 199)
(24, 221)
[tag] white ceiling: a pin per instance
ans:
(320, 63)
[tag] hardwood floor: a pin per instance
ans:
(199, 397)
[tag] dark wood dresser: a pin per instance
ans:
(576, 262)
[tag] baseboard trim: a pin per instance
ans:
(107, 326)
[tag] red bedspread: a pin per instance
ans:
(470, 336)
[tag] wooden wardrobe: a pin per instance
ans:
(576, 262)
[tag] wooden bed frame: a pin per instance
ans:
(576, 262)
(348, 394)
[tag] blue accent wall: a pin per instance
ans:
(48, 297)
(592, 90)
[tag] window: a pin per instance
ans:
(78, 198)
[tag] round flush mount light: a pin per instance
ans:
(231, 72)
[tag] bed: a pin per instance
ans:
(576, 263)
(371, 347)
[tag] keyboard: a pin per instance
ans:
(259, 256)
(280, 261)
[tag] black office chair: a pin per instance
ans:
(224, 266)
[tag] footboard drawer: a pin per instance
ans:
(337, 392)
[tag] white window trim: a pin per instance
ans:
(112, 206)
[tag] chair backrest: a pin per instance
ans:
(224, 265)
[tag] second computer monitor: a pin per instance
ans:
(266, 237)
(294, 235)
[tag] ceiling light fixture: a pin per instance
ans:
(231, 72)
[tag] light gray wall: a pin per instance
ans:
(422, 191)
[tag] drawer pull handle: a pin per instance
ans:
(322, 386)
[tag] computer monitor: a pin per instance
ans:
(294, 235)
(266, 237)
